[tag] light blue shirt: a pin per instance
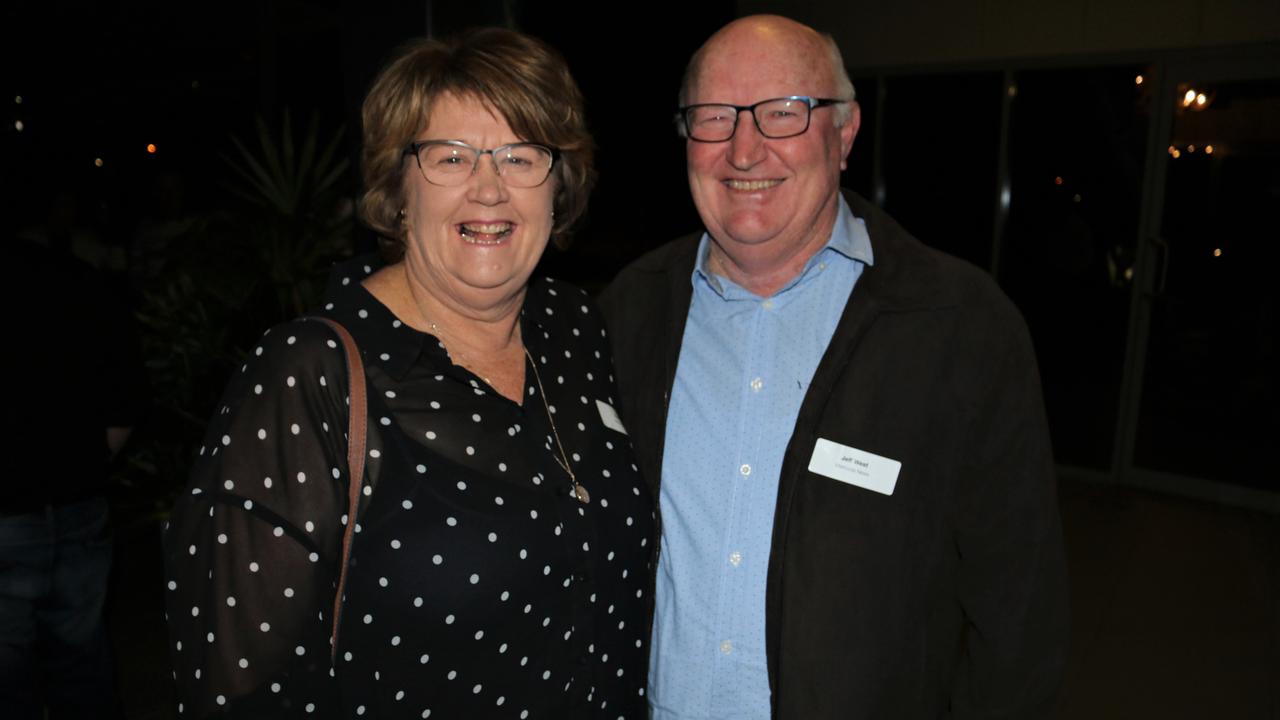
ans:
(745, 366)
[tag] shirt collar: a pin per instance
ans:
(383, 339)
(849, 239)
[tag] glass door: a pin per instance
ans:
(1202, 406)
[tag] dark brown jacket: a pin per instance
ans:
(947, 598)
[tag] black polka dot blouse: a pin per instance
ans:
(479, 585)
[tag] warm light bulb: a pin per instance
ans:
(17, 99)
(1217, 252)
(97, 162)
(17, 125)
(1176, 154)
(1201, 99)
(1057, 180)
(1138, 80)
(1208, 149)
(1189, 98)
(151, 148)
(1191, 148)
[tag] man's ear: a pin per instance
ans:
(849, 131)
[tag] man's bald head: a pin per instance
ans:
(785, 34)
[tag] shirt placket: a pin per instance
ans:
(734, 625)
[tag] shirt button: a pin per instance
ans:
(735, 559)
(756, 384)
(726, 647)
(767, 304)
(745, 469)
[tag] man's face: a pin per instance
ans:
(761, 197)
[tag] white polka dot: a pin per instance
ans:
(231, 601)
(265, 627)
(290, 381)
(462, 485)
(302, 477)
(288, 592)
(257, 389)
(262, 434)
(295, 429)
(299, 651)
(395, 544)
(474, 578)
(436, 559)
(368, 619)
(417, 602)
(226, 439)
(279, 531)
(448, 619)
(493, 537)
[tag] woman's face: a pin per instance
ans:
(475, 243)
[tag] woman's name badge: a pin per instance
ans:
(854, 467)
(610, 418)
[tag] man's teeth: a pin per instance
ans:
(485, 233)
(749, 185)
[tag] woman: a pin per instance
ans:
(502, 546)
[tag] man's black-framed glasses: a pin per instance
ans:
(775, 118)
(451, 162)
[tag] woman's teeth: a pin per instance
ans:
(485, 233)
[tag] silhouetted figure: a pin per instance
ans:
(75, 389)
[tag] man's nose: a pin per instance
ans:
(746, 147)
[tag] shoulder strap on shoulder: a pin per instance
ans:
(356, 431)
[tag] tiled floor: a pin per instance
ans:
(1176, 611)
(1176, 607)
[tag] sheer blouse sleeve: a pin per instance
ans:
(254, 542)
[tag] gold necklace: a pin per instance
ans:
(562, 459)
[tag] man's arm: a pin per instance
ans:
(1013, 583)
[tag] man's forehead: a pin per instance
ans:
(757, 72)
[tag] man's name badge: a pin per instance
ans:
(609, 417)
(854, 467)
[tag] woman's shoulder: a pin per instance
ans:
(561, 302)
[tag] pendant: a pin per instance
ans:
(581, 493)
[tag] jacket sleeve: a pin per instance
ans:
(1012, 584)
(253, 544)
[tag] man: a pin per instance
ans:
(844, 429)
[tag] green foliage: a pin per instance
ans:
(226, 277)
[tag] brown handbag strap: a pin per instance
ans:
(357, 411)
